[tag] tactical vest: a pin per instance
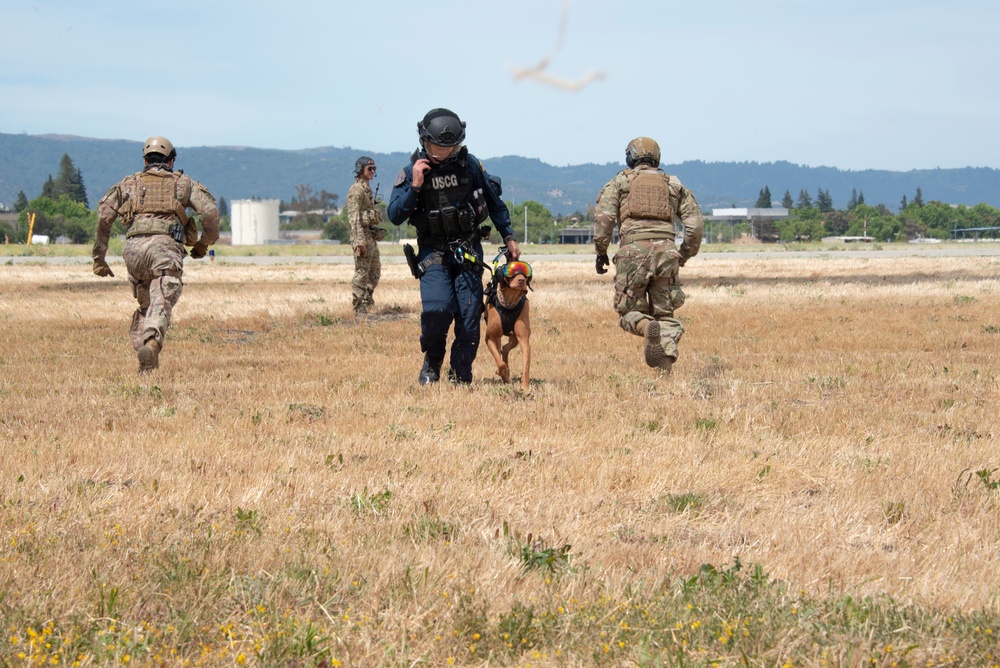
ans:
(445, 211)
(155, 198)
(648, 197)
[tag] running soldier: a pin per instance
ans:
(152, 205)
(644, 201)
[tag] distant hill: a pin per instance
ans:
(243, 172)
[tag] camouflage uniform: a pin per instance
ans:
(364, 218)
(154, 259)
(645, 201)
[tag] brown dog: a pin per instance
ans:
(508, 314)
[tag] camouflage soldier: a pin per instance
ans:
(364, 217)
(152, 205)
(644, 201)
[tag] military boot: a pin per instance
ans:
(653, 352)
(429, 372)
(149, 356)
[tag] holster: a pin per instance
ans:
(411, 260)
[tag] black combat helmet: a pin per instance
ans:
(362, 162)
(442, 127)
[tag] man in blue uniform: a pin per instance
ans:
(446, 194)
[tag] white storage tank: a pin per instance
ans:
(254, 221)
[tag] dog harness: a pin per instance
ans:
(508, 314)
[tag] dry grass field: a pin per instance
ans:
(816, 484)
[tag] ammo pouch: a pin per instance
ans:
(176, 231)
(449, 222)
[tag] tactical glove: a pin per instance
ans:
(602, 263)
(198, 251)
(101, 268)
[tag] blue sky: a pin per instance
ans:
(873, 84)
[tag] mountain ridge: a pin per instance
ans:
(242, 172)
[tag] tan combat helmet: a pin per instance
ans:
(642, 149)
(159, 145)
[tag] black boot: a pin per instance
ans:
(429, 372)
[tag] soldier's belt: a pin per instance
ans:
(647, 236)
(145, 227)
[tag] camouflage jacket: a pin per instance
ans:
(362, 214)
(663, 200)
(189, 194)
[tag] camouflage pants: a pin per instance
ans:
(367, 272)
(646, 288)
(147, 258)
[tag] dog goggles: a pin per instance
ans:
(512, 269)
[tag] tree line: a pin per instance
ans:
(62, 210)
(812, 219)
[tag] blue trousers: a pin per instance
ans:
(449, 294)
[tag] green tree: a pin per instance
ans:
(315, 209)
(852, 202)
(801, 229)
(540, 221)
(984, 215)
(809, 213)
(69, 181)
(786, 201)
(823, 201)
(804, 201)
(836, 222)
(870, 220)
(902, 204)
(911, 227)
(21, 203)
(764, 198)
(767, 230)
(337, 228)
(307, 200)
(918, 199)
(939, 218)
(225, 220)
(60, 217)
(49, 189)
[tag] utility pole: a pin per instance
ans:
(526, 221)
